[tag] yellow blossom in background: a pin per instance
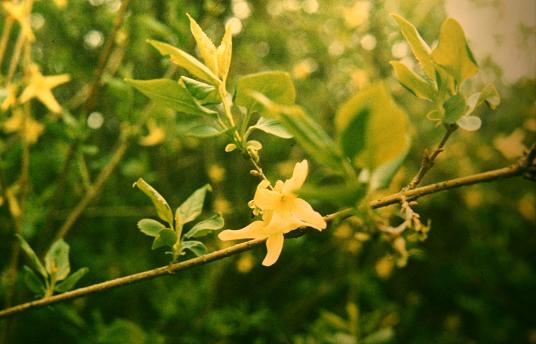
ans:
(282, 212)
(28, 128)
(357, 14)
(155, 136)
(21, 13)
(11, 98)
(40, 87)
(61, 3)
(510, 146)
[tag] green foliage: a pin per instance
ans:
(55, 277)
(190, 209)
(174, 237)
(373, 133)
(57, 260)
(274, 85)
(160, 204)
(445, 68)
(186, 61)
(171, 94)
(453, 54)
(418, 46)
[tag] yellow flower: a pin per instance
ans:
(28, 128)
(11, 97)
(40, 87)
(282, 212)
(21, 13)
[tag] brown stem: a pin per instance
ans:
(105, 55)
(507, 172)
(428, 159)
(5, 37)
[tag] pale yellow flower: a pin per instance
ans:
(28, 128)
(21, 13)
(11, 98)
(282, 212)
(155, 136)
(41, 86)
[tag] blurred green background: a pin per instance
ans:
(472, 281)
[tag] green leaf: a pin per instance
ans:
(150, 227)
(57, 260)
(204, 93)
(453, 53)
(197, 247)
(190, 209)
(490, 95)
(418, 46)
(373, 132)
(171, 94)
(382, 336)
(161, 205)
(454, 108)
(273, 127)
(35, 263)
(166, 237)
(33, 282)
(206, 48)
(469, 123)
(225, 52)
(274, 85)
(201, 127)
(413, 82)
(71, 281)
(308, 133)
(186, 61)
(204, 227)
(352, 140)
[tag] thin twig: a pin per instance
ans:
(428, 159)
(507, 172)
(91, 93)
(5, 38)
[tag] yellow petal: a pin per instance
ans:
(225, 51)
(304, 213)
(155, 136)
(56, 80)
(11, 98)
(274, 246)
(251, 231)
(206, 47)
(298, 177)
(15, 122)
(27, 94)
(47, 98)
(267, 199)
(32, 131)
(280, 222)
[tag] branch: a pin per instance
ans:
(526, 165)
(106, 53)
(141, 276)
(428, 159)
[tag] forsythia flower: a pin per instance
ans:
(41, 86)
(282, 212)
